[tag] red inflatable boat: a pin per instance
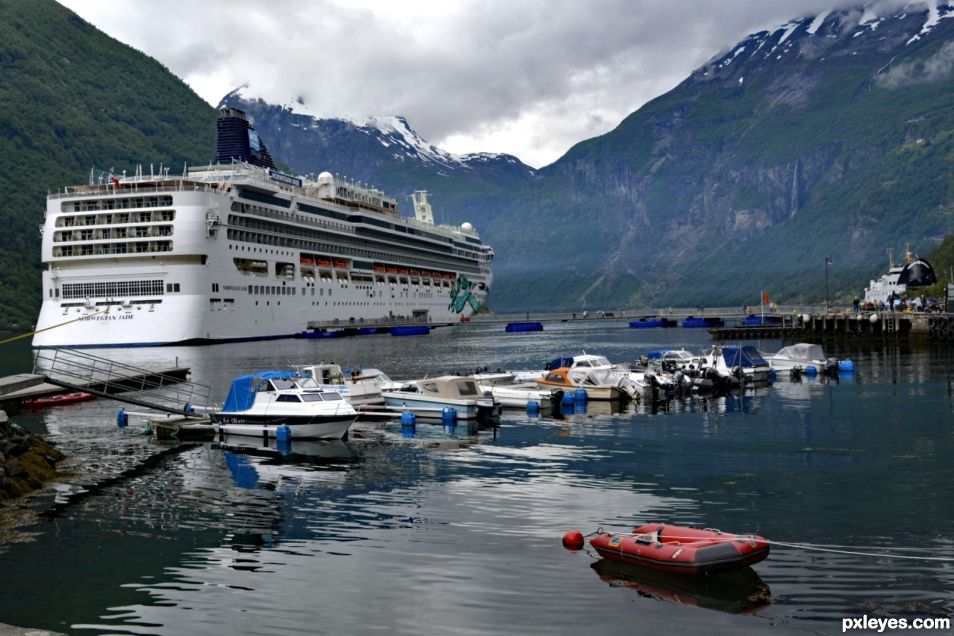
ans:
(680, 549)
(62, 398)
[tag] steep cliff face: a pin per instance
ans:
(72, 98)
(828, 136)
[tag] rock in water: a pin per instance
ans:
(26, 460)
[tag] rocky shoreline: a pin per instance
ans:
(27, 462)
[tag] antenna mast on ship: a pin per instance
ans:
(422, 209)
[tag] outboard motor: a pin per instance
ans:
(678, 378)
(831, 366)
(653, 385)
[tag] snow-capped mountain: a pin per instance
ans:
(391, 136)
(829, 134)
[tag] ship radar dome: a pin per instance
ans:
(467, 227)
(325, 177)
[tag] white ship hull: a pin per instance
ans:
(229, 254)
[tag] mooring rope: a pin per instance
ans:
(33, 333)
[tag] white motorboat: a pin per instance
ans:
(596, 384)
(809, 358)
(519, 395)
(598, 370)
(688, 370)
(259, 403)
(357, 387)
(430, 396)
(742, 362)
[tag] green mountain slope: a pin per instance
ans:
(72, 98)
(792, 147)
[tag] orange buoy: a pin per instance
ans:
(573, 540)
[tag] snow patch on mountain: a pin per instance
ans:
(392, 132)
(817, 22)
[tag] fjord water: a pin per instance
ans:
(458, 533)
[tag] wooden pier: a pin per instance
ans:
(872, 326)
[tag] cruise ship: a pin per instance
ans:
(239, 251)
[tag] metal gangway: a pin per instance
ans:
(164, 390)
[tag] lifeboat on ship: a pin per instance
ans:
(680, 549)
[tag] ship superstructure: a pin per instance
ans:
(240, 251)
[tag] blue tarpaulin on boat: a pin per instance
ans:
(559, 363)
(747, 356)
(242, 393)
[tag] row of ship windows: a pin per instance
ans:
(341, 248)
(110, 249)
(275, 290)
(116, 203)
(113, 233)
(116, 218)
(284, 215)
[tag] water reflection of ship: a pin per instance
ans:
(737, 592)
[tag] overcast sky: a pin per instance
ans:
(525, 77)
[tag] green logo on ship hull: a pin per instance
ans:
(461, 296)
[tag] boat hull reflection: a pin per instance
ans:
(737, 592)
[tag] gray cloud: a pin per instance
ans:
(937, 67)
(528, 77)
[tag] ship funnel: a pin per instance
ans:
(239, 141)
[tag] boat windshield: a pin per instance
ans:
(276, 384)
(321, 397)
(307, 383)
(467, 388)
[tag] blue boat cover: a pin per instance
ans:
(523, 326)
(656, 354)
(747, 356)
(241, 395)
(559, 363)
